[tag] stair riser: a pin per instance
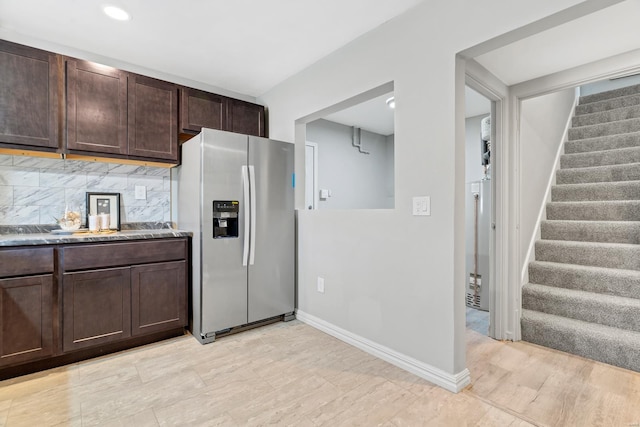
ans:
(618, 283)
(603, 211)
(613, 128)
(611, 142)
(616, 93)
(609, 104)
(623, 315)
(606, 116)
(600, 158)
(625, 257)
(614, 173)
(595, 192)
(602, 348)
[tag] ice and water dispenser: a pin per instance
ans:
(225, 218)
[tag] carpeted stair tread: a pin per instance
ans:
(614, 156)
(606, 344)
(607, 281)
(583, 294)
(615, 311)
(604, 129)
(625, 172)
(609, 255)
(608, 210)
(608, 104)
(615, 93)
(602, 143)
(591, 231)
(617, 114)
(592, 191)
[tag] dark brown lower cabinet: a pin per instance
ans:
(158, 297)
(64, 303)
(26, 319)
(96, 307)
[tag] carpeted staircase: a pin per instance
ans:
(583, 295)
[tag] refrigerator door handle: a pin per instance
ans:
(247, 219)
(252, 185)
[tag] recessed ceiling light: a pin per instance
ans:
(391, 102)
(116, 13)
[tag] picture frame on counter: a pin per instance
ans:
(105, 204)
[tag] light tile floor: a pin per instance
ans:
(291, 374)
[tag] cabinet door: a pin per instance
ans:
(200, 109)
(153, 118)
(96, 307)
(29, 113)
(26, 322)
(96, 108)
(246, 118)
(158, 297)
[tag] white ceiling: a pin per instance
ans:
(373, 115)
(245, 46)
(606, 33)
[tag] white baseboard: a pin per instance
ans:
(451, 382)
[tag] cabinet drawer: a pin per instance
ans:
(26, 262)
(80, 257)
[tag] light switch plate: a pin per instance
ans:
(140, 192)
(320, 285)
(422, 206)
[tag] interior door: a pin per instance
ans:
(224, 278)
(271, 276)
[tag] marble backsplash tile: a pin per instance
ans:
(36, 190)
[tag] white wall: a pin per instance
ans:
(474, 171)
(356, 180)
(608, 84)
(390, 275)
(543, 124)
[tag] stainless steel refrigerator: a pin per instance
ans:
(235, 193)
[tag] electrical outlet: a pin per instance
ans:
(140, 192)
(321, 285)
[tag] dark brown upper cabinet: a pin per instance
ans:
(96, 108)
(153, 118)
(244, 117)
(29, 110)
(200, 109)
(113, 112)
(53, 103)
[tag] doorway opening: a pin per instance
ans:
(479, 213)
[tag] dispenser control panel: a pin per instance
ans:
(225, 218)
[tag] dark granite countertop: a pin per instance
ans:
(47, 235)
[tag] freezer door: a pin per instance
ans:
(224, 278)
(271, 266)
